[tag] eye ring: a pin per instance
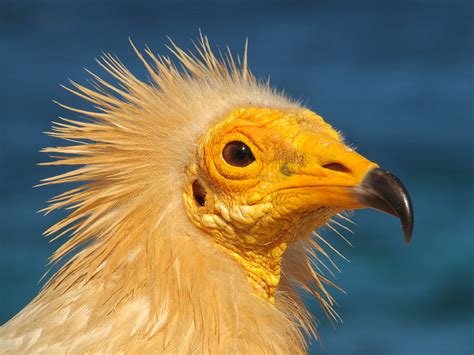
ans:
(238, 154)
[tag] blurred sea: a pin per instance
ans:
(395, 76)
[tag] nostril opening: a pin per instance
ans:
(199, 193)
(337, 167)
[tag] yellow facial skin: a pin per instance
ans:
(301, 176)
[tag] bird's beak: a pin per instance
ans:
(337, 176)
(383, 191)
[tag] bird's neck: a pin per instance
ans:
(261, 254)
(262, 265)
(159, 294)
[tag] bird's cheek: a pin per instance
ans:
(300, 210)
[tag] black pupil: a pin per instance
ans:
(237, 154)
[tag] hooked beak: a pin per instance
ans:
(334, 175)
(383, 191)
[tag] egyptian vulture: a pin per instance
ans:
(192, 208)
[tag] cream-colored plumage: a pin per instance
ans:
(149, 271)
(134, 287)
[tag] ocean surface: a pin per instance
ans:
(395, 76)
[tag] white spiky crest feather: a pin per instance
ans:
(136, 120)
(131, 154)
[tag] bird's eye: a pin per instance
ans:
(238, 154)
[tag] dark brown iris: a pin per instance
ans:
(238, 154)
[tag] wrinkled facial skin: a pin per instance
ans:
(300, 177)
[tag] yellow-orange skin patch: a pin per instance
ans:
(252, 213)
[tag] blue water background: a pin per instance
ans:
(395, 76)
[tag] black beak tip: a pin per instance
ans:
(407, 218)
(400, 201)
(384, 191)
(408, 228)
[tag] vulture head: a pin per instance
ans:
(195, 197)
